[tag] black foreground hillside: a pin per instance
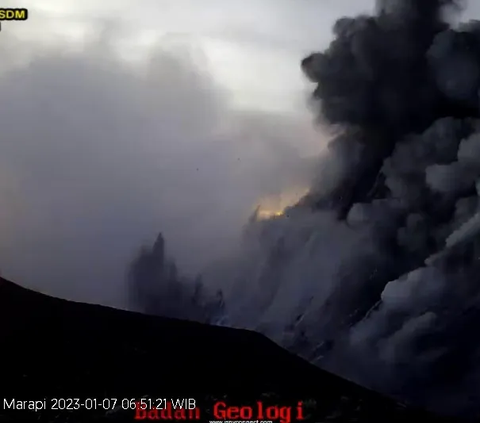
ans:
(53, 347)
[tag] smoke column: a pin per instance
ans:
(373, 274)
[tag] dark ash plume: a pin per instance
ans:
(377, 75)
(373, 274)
(409, 84)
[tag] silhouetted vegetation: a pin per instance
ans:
(157, 288)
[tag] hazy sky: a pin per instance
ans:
(122, 118)
(254, 45)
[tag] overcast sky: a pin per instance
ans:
(254, 45)
(122, 118)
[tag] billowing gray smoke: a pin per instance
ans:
(99, 149)
(374, 274)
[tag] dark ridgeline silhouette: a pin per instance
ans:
(58, 348)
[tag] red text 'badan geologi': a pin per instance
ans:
(220, 411)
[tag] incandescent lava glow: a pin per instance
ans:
(268, 214)
(274, 206)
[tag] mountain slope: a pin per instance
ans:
(53, 347)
